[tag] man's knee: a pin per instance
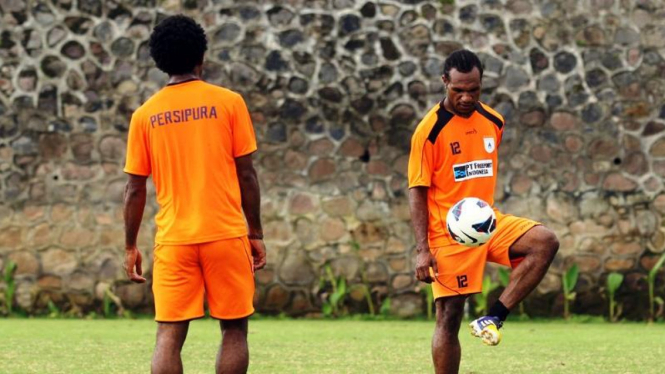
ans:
(550, 243)
(450, 312)
(172, 334)
(234, 325)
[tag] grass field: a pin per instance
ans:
(313, 346)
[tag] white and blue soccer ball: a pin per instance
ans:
(471, 222)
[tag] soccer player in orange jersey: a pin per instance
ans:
(196, 140)
(450, 146)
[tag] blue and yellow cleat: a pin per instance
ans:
(487, 328)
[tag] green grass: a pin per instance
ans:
(314, 346)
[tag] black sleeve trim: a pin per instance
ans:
(489, 116)
(443, 117)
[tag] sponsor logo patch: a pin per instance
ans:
(489, 144)
(473, 169)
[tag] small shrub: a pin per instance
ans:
(653, 299)
(481, 298)
(569, 282)
(614, 281)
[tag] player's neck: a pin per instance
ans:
(180, 78)
(448, 107)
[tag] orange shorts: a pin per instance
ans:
(221, 271)
(461, 268)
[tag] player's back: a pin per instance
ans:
(192, 133)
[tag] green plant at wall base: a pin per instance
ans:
(482, 297)
(504, 280)
(385, 307)
(569, 282)
(10, 286)
(653, 299)
(107, 303)
(429, 299)
(614, 281)
(332, 303)
(363, 275)
(53, 311)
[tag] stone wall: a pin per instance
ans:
(335, 88)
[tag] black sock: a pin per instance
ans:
(499, 311)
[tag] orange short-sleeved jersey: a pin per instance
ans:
(455, 157)
(187, 136)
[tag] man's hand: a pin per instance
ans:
(258, 253)
(424, 261)
(133, 261)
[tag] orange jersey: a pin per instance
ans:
(187, 136)
(455, 157)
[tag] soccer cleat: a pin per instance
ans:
(487, 328)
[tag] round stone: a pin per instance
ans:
(516, 77)
(619, 183)
(653, 128)
(112, 148)
(658, 148)
(291, 38)
(406, 305)
(612, 60)
(331, 94)
(348, 24)
(321, 169)
(389, 50)
(467, 14)
(275, 62)
(53, 67)
(295, 270)
(73, 50)
(78, 25)
(565, 62)
(298, 85)
(596, 78)
(407, 68)
(626, 36)
(279, 16)
(26, 263)
(276, 133)
(368, 10)
(591, 36)
(328, 73)
(227, 33)
(57, 261)
(122, 47)
(104, 31)
(93, 7)
(131, 294)
(549, 83)
(592, 113)
(292, 110)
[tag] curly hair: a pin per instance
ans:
(177, 45)
(463, 61)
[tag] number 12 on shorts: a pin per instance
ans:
(462, 281)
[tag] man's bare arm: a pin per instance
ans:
(135, 198)
(420, 222)
(251, 206)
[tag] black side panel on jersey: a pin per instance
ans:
(442, 118)
(489, 116)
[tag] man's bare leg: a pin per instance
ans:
(233, 356)
(538, 247)
(446, 349)
(170, 339)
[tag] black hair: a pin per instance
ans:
(177, 45)
(463, 61)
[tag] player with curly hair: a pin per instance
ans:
(196, 140)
